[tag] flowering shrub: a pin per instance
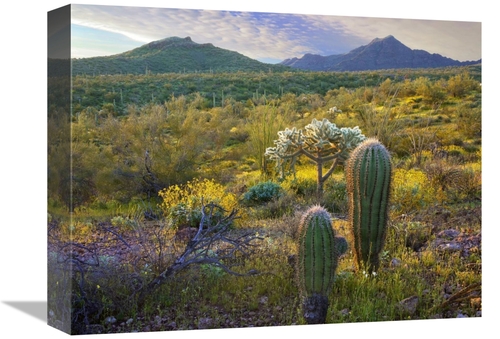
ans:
(182, 203)
(411, 191)
(303, 183)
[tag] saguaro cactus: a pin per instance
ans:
(319, 250)
(368, 176)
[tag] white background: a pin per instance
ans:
(23, 51)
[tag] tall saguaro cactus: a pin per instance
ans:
(368, 176)
(319, 250)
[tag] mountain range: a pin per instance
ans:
(386, 53)
(174, 54)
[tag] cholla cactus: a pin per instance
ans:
(319, 251)
(321, 141)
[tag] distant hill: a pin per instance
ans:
(182, 55)
(172, 55)
(386, 53)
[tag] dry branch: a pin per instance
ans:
(212, 244)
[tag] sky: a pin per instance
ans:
(269, 37)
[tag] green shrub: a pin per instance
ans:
(335, 196)
(467, 184)
(263, 192)
(301, 186)
(277, 208)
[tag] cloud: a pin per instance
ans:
(277, 36)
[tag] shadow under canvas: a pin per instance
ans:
(37, 309)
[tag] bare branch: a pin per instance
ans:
(212, 244)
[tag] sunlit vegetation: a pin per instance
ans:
(149, 150)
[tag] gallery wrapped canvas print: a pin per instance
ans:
(222, 169)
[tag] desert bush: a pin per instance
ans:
(300, 185)
(123, 222)
(469, 120)
(467, 184)
(285, 205)
(182, 203)
(335, 196)
(442, 176)
(411, 234)
(263, 192)
(411, 191)
(263, 124)
(461, 84)
(380, 122)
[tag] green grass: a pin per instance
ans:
(207, 297)
(446, 283)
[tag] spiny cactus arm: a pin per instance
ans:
(331, 141)
(352, 137)
(274, 153)
(287, 147)
(321, 135)
(323, 131)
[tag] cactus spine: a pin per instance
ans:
(368, 176)
(319, 250)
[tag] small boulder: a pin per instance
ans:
(408, 306)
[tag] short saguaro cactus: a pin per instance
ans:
(319, 250)
(368, 176)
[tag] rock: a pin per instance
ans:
(94, 329)
(450, 247)
(130, 321)
(409, 305)
(395, 262)
(451, 233)
(345, 312)
(110, 320)
(476, 302)
(204, 323)
(315, 308)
